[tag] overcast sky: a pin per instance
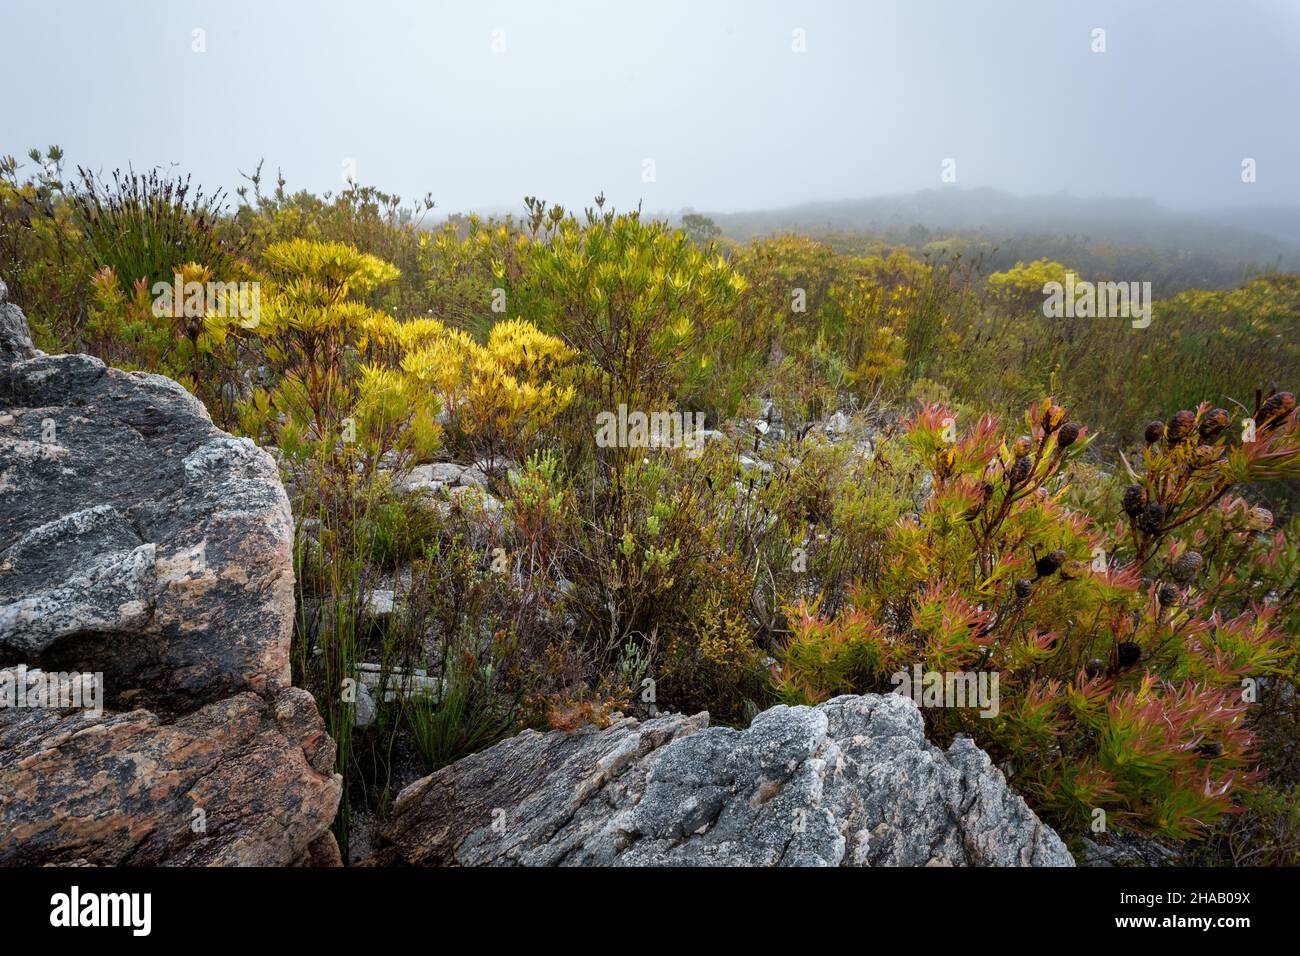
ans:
(712, 91)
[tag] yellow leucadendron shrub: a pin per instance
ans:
(311, 328)
(1024, 282)
(497, 396)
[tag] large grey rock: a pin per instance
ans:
(141, 544)
(15, 340)
(132, 530)
(851, 782)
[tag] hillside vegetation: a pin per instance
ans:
(907, 463)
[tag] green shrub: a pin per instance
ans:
(147, 225)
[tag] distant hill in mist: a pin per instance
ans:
(1110, 237)
(1267, 231)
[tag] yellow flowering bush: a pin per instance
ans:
(497, 396)
(310, 327)
(1024, 282)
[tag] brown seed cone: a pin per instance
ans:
(1152, 517)
(1134, 500)
(1128, 654)
(1275, 408)
(1019, 472)
(1049, 563)
(1180, 426)
(1154, 432)
(1214, 422)
(1259, 519)
(1187, 566)
(1067, 435)
(1206, 455)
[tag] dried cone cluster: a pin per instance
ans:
(1206, 430)
(1179, 483)
(1206, 455)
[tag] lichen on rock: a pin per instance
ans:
(141, 543)
(851, 782)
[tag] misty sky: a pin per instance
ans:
(711, 91)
